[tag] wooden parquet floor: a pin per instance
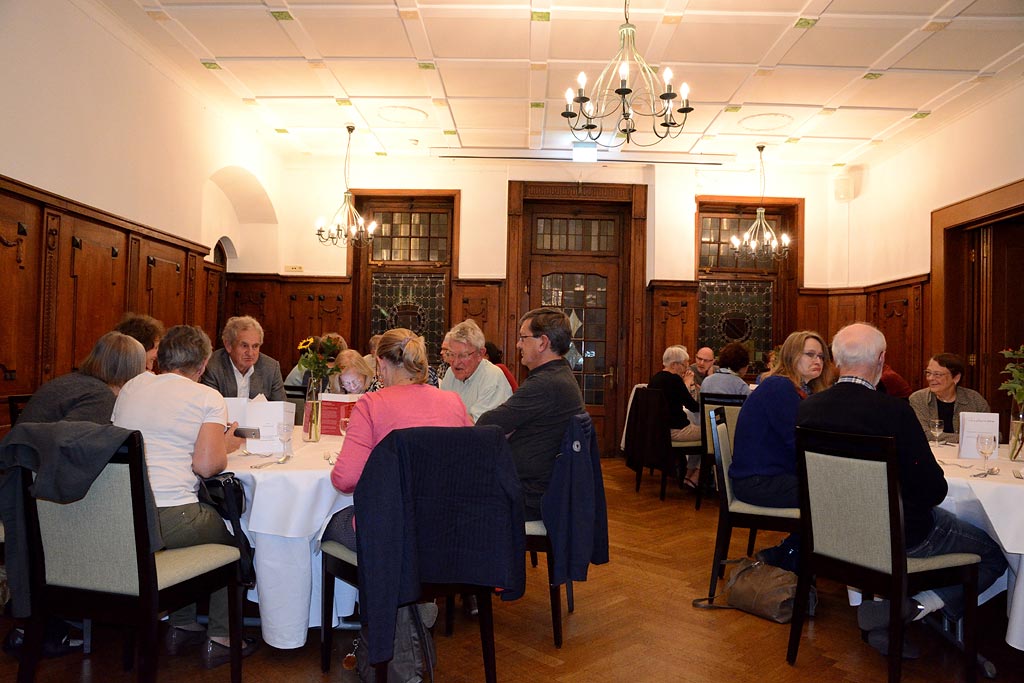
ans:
(633, 623)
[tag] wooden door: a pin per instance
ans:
(587, 290)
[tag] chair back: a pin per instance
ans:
(850, 505)
(15, 404)
(721, 445)
(648, 435)
(94, 543)
(732, 404)
(629, 406)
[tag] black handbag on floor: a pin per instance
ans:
(224, 493)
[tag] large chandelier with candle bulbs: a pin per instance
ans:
(347, 225)
(760, 240)
(626, 98)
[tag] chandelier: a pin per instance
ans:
(347, 225)
(626, 90)
(760, 241)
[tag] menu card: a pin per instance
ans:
(973, 424)
(265, 416)
(335, 410)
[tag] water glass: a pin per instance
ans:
(284, 434)
(986, 446)
(935, 427)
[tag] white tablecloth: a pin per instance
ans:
(992, 503)
(286, 508)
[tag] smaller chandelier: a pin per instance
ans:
(760, 241)
(347, 225)
(626, 92)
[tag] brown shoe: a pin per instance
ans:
(215, 654)
(178, 640)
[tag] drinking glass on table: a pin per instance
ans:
(284, 434)
(935, 427)
(986, 446)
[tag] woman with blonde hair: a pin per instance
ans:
(405, 400)
(763, 469)
(355, 373)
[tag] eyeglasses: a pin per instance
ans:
(937, 374)
(812, 355)
(705, 360)
(529, 336)
(461, 356)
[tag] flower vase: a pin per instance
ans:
(1016, 430)
(311, 412)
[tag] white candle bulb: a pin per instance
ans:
(684, 91)
(668, 78)
(582, 80)
(568, 96)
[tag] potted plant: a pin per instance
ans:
(1014, 386)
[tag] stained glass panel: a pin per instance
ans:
(583, 297)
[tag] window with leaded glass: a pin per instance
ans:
(716, 231)
(422, 236)
(571, 234)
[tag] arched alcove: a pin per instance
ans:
(246, 194)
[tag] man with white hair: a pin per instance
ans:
(239, 370)
(479, 383)
(853, 406)
(676, 382)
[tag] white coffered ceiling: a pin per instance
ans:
(486, 77)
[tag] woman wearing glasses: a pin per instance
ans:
(763, 469)
(944, 399)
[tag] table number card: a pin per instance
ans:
(973, 424)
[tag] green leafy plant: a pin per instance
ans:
(318, 354)
(1015, 369)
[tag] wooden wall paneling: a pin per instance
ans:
(674, 312)
(844, 309)
(516, 294)
(897, 309)
(91, 288)
(636, 335)
(164, 282)
(213, 287)
(811, 312)
(21, 245)
(483, 303)
(194, 280)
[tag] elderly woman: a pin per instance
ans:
(185, 428)
(763, 469)
(89, 393)
(405, 400)
(944, 399)
(356, 374)
(733, 361)
(676, 381)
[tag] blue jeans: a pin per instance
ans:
(950, 535)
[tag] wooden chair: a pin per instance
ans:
(852, 531)
(648, 438)
(92, 558)
(732, 512)
(732, 403)
(15, 404)
(462, 473)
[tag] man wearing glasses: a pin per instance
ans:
(704, 365)
(479, 383)
(536, 416)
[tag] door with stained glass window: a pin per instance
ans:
(587, 290)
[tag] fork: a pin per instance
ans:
(280, 461)
(258, 455)
(954, 464)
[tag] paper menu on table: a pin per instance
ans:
(973, 424)
(263, 415)
(335, 408)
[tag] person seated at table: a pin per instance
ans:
(763, 469)
(892, 383)
(704, 364)
(769, 363)
(496, 355)
(676, 381)
(404, 400)
(479, 383)
(733, 361)
(185, 429)
(853, 406)
(371, 357)
(239, 369)
(944, 399)
(299, 377)
(86, 395)
(145, 329)
(356, 375)
(536, 416)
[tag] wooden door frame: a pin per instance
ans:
(634, 314)
(947, 227)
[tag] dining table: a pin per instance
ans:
(287, 505)
(992, 500)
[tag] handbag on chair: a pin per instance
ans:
(224, 494)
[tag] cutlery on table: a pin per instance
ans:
(954, 464)
(280, 461)
(981, 475)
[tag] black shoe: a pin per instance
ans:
(874, 614)
(215, 654)
(178, 640)
(879, 639)
(56, 643)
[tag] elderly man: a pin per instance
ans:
(479, 383)
(239, 370)
(853, 405)
(675, 381)
(704, 365)
(536, 416)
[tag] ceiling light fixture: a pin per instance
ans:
(627, 89)
(347, 225)
(760, 241)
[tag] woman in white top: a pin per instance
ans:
(186, 434)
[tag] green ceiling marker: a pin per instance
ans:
(282, 16)
(426, 66)
(536, 105)
(872, 76)
(921, 115)
(805, 23)
(540, 16)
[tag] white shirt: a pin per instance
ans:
(169, 410)
(242, 381)
(485, 389)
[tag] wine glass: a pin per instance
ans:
(935, 427)
(284, 434)
(986, 446)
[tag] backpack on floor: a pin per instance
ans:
(414, 650)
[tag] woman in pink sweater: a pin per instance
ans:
(405, 401)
